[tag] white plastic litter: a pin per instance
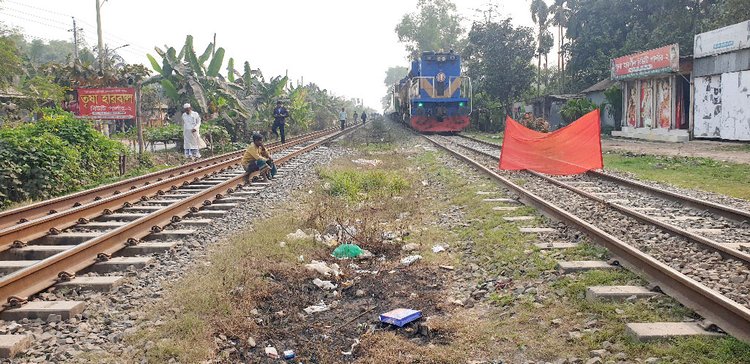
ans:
(297, 235)
(327, 239)
(327, 285)
(438, 248)
(410, 259)
(323, 268)
(367, 162)
(320, 307)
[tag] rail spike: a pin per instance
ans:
(156, 229)
(103, 257)
(54, 231)
(127, 204)
(176, 219)
(206, 202)
(83, 220)
(17, 244)
(65, 276)
(132, 242)
(15, 302)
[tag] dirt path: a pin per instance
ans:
(731, 152)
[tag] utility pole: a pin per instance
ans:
(75, 31)
(100, 43)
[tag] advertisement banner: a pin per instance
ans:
(106, 103)
(727, 39)
(661, 60)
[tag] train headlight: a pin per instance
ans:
(420, 105)
(461, 104)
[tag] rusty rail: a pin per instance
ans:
(727, 314)
(56, 205)
(17, 286)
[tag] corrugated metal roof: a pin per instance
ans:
(599, 86)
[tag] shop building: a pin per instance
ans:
(722, 83)
(656, 94)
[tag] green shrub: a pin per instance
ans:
(575, 108)
(36, 166)
(56, 155)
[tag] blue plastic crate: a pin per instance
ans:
(400, 316)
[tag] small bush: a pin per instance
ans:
(362, 185)
(56, 155)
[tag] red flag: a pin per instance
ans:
(574, 149)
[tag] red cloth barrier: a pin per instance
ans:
(574, 149)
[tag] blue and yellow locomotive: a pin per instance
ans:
(434, 96)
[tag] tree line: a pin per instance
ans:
(510, 63)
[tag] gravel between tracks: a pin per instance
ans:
(728, 276)
(109, 317)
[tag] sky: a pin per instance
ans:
(344, 46)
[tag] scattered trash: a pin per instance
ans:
(298, 235)
(410, 247)
(328, 240)
(447, 267)
(271, 352)
(320, 307)
(425, 183)
(400, 316)
(289, 354)
(282, 244)
(327, 285)
(407, 261)
(251, 342)
(323, 268)
(367, 162)
(351, 349)
(301, 258)
(389, 235)
(438, 248)
(347, 251)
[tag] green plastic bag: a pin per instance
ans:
(347, 251)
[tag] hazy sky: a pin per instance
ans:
(344, 46)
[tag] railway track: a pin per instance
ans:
(51, 249)
(693, 249)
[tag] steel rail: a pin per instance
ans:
(729, 315)
(19, 235)
(480, 141)
(665, 226)
(55, 205)
(19, 285)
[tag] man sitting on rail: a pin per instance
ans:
(256, 158)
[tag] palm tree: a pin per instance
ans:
(560, 16)
(540, 16)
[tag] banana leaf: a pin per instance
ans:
(170, 90)
(216, 61)
(230, 70)
(154, 64)
(198, 93)
(206, 54)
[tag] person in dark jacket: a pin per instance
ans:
(364, 117)
(279, 120)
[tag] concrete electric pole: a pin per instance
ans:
(100, 43)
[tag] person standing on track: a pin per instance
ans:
(342, 118)
(279, 120)
(356, 117)
(256, 158)
(364, 117)
(191, 125)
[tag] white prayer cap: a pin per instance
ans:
(186, 106)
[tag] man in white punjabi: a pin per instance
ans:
(191, 124)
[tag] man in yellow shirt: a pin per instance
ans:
(256, 158)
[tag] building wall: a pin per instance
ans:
(607, 120)
(722, 106)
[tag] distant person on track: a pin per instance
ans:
(256, 158)
(342, 118)
(279, 120)
(356, 117)
(364, 117)
(191, 125)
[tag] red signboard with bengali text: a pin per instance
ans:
(106, 103)
(661, 60)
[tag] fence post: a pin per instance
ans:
(122, 164)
